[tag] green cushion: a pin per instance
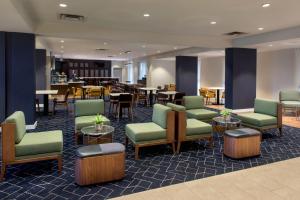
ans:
(201, 114)
(289, 95)
(176, 107)
(159, 116)
(18, 118)
(84, 121)
(267, 107)
(290, 104)
(257, 119)
(193, 102)
(89, 107)
(142, 132)
(196, 127)
(40, 143)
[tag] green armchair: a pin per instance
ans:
(290, 99)
(21, 147)
(159, 131)
(267, 114)
(85, 114)
(189, 129)
(195, 109)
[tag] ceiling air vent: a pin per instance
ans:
(127, 52)
(71, 17)
(235, 33)
(101, 49)
(110, 56)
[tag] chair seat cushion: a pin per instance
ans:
(257, 119)
(141, 132)
(201, 114)
(84, 121)
(40, 143)
(290, 104)
(196, 127)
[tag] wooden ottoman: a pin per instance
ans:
(242, 143)
(99, 163)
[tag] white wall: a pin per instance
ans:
(277, 70)
(118, 64)
(161, 72)
(212, 72)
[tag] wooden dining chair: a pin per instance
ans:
(63, 102)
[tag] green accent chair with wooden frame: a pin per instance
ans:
(86, 112)
(195, 109)
(189, 129)
(159, 131)
(267, 115)
(290, 100)
(20, 147)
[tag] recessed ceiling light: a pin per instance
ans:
(146, 15)
(62, 41)
(213, 23)
(265, 5)
(62, 47)
(270, 45)
(175, 48)
(260, 29)
(158, 51)
(63, 5)
(105, 43)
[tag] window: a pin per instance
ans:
(130, 72)
(143, 70)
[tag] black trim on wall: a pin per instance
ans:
(20, 79)
(240, 77)
(187, 74)
(2, 78)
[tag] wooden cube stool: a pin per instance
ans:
(242, 143)
(100, 163)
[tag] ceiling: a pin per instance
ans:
(121, 24)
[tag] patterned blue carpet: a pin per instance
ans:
(157, 167)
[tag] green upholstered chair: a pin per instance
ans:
(159, 131)
(21, 147)
(267, 114)
(195, 109)
(189, 129)
(290, 99)
(86, 112)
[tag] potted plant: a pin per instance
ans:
(99, 122)
(226, 113)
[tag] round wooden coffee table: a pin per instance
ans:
(220, 124)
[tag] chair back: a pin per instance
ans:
(67, 95)
(179, 96)
(125, 98)
(203, 92)
(193, 102)
(160, 115)
(89, 107)
(162, 96)
(18, 118)
(289, 95)
(267, 107)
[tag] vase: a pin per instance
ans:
(98, 127)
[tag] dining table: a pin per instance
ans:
(170, 94)
(150, 89)
(46, 94)
(218, 89)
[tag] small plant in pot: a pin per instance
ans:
(226, 113)
(99, 122)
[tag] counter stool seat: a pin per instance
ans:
(242, 143)
(100, 163)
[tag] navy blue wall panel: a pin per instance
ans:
(2, 77)
(187, 74)
(20, 79)
(240, 77)
(40, 68)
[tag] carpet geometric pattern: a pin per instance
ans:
(157, 166)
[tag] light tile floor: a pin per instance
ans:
(279, 180)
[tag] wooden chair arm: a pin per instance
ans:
(8, 142)
(171, 126)
(181, 126)
(279, 114)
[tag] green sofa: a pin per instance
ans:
(267, 114)
(290, 99)
(86, 112)
(159, 131)
(21, 147)
(189, 129)
(195, 109)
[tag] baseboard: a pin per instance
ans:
(28, 127)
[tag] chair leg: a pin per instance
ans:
(76, 138)
(211, 142)
(280, 131)
(59, 164)
(126, 141)
(178, 146)
(136, 152)
(173, 147)
(3, 171)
